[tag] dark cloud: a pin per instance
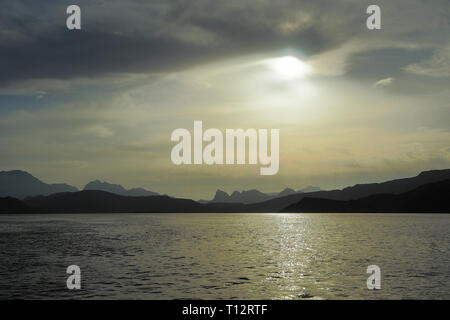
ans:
(163, 36)
(155, 36)
(72, 54)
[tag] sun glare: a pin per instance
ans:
(289, 67)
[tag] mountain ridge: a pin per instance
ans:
(394, 186)
(429, 198)
(118, 189)
(21, 184)
(101, 201)
(96, 201)
(248, 196)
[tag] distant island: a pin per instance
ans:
(424, 193)
(255, 196)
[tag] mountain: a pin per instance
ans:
(248, 197)
(140, 192)
(309, 189)
(221, 196)
(357, 191)
(426, 192)
(118, 189)
(12, 205)
(286, 192)
(94, 201)
(274, 203)
(20, 184)
(428, 198)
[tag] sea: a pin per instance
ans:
(225, 256)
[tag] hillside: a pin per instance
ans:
(430, 198)
(20, 184)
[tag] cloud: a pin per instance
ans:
(124, 36)
(100, 131)
(156, 36)
(436, 66)
(164, 36)
(114, 91)
(383, 83)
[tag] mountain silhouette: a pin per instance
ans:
(13, 205)
(221, 196)
(430, 198)
(286, 192)
(118, 189)
(248, 197)
(20, 184)
(309, 189)
(95, 201)
(426, 192)
(357, 191)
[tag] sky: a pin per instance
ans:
(102, 102)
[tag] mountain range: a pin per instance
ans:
(255, 196)
(20, 184)
(426, 192)
(95, 201)
(431, 198)
(357, 191)
(118, 189)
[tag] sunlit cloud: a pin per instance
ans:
(383, 82)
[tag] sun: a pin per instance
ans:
(289, 67)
